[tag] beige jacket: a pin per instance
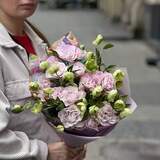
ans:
(24, 135)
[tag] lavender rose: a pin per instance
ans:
(106, 116)
(70, 116)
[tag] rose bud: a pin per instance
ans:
(125, 113)
(112, 95)
(53, 69)
(34, 86)
(98, 40)
(44, 65)
(81, 106)
(60, 128)
(93, 110)
(37, 108)
(69, 76)
(82, 47)
(119, 105)
(97, 91)
(118, 75)
(48, 91)
(17, 109)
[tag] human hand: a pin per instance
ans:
(60, 151)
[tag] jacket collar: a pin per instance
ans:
(7, 41)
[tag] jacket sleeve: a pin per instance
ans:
(15, 145)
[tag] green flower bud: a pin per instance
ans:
(98, 40)
(69, 76)
(97, 91)
(112, 95)
(37, 108)
(82, 106)
(82, 46)
(93, 110)
(91, 65)
(125, 113)
(119, 105)
(53, 69)
(34, 86)
(48, 91)
(118, 75)
(60, 128)
(44, 65)
(17, 109)
(119, 84)
(90, 55)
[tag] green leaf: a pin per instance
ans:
(124, 97)
(70, 68)
(108, 45)
(98, 57)
(110, 68)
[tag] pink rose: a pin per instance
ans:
(106, 116)
(92, 124)
(70, 116)
(79, 68)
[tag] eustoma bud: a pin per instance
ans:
(44, 65)
(125, 113)
(93, 110)
(48, 91)
(60, 128)
(98, 40)
(97, 91)
(118, 75)
(17, 109)
(112, 95)
(53, 69)
(37, 108)
(82, 106)
(69, 76)
(119, 105)
(34, 86)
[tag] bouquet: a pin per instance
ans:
(81, 97)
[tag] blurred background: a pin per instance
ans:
(133, 26)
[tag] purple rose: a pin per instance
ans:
(106, 116)
(70, 116)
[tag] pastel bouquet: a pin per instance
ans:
(81, 97)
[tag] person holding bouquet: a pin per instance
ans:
(26, 135)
